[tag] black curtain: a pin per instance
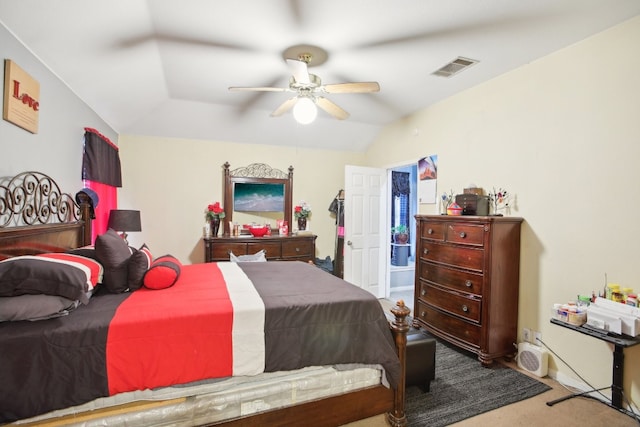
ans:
(400, 186)
(100, 160)
(400, 183)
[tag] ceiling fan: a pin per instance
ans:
(308, 88)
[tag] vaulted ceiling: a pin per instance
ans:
(163, 67)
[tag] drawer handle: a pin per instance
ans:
(468, 283)
(297, 249)
(430, 231)
(423, 314)
(425, 251)
(463, 234)
(465, 308)
(423, 292)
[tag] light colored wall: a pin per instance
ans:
(563, 135)
(171, 181)
(57, 147)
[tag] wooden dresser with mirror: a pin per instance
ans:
(277, 247)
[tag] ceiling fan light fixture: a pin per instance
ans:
(305, 111)
(308, 87)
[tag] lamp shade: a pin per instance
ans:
(124, 220)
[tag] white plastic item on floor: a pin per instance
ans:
(533, 358)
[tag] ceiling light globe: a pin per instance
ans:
(305, 111)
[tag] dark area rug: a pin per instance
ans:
(464, 388)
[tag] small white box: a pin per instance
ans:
(630, 324)
(618, 307)
(603, 319)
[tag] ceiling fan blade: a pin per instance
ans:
(331, 108)
(285, 106)
(257, 89)
(361, 87)
(299, 71)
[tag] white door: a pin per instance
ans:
(365, 216)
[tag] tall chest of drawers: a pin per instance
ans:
(467, 280)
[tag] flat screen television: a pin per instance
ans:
(258, 197)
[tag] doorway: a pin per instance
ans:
(403, 206)
(368, 241)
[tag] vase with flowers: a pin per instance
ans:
(499, 200)
(302, 212)
(214, 213)
(445, 201)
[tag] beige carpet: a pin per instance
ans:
(581, 412)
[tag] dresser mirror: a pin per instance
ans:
(257, 193)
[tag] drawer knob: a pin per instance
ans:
(463, 234)
(465, 308)
(423, 314)
(468, 283)
(425, 251)
(430, 231)
(423, 292)
(297, 249)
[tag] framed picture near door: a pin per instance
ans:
(428, 174)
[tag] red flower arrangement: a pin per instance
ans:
(303, 210)
(214, 211)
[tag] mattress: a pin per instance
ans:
(210, 402)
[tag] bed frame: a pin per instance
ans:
(36, 217)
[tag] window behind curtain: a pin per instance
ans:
(101, 172)
(402, 215)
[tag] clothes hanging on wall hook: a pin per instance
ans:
(336, 207)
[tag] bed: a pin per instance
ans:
(214, 346)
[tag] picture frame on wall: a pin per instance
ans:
(428, 173)
(21, 97)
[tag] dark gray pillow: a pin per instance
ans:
(85, 251)
(30, 275)
(113, 253)
(35, 307)
(139, 262)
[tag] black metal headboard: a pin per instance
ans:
(32, 206)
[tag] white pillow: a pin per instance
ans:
(257, 257)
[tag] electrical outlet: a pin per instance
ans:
(526, 335)
(538, 338)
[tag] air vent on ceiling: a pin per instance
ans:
(454, 67)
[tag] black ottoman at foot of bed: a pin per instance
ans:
(421, 359)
